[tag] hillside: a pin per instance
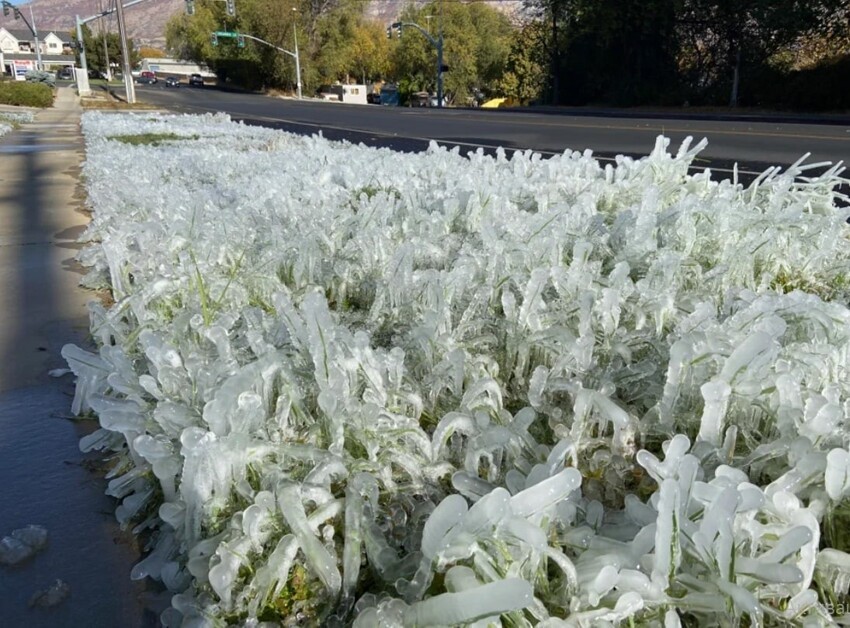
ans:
(146, 21)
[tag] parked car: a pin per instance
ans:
(418, 99)
(65, 74)
(146, 80)
(172, 82)
(196, 79)
(433, 102)
(373, 99)
(148, 74)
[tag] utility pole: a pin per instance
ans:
(83, 79)
(122, 33)
(440, 61)
(35, 34)
(297, 58)
(103, 33)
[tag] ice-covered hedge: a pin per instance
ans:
(9, 120)
(346, 385)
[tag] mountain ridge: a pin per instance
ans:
(146, 21)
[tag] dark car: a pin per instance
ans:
(196, 79)
(145, 80)
(172, 82)
(373, 98)
(65, 74)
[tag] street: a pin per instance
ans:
(752, 145)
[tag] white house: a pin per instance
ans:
(17, 50)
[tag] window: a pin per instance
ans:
(53, 45)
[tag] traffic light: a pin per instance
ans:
(389, 28)
(190, 7)
(214, 39)
(240, 41)
(6, 12)
(231, 7)
(17, 13)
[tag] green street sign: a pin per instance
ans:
(226, 34)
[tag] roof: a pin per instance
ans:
(64, 37)
(23, 34)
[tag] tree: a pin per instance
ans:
(190, 37)
(337, 29)
(524, 78)
(722, 36)
(495, 37)
(96, 57)
(146, 52)
(477, 40)
(370, 51)
(618, 51)
(337, 42)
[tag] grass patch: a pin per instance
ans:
(101, 104)
(150, 139)
(25, 94)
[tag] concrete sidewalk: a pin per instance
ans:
(42, 476)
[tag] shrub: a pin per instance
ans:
(25, 94)
(425, 389)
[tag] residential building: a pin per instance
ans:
(18, 53)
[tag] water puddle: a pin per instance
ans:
(45, 481)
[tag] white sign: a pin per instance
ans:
(21, 67)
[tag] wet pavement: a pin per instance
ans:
(44, 479)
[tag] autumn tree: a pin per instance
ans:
(147, 52)
(524, 78)
(370, 51)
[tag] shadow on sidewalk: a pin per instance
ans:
(44, 479)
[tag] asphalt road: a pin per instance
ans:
(752, 145)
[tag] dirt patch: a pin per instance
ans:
(107, 101)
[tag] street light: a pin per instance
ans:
(35, 34)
